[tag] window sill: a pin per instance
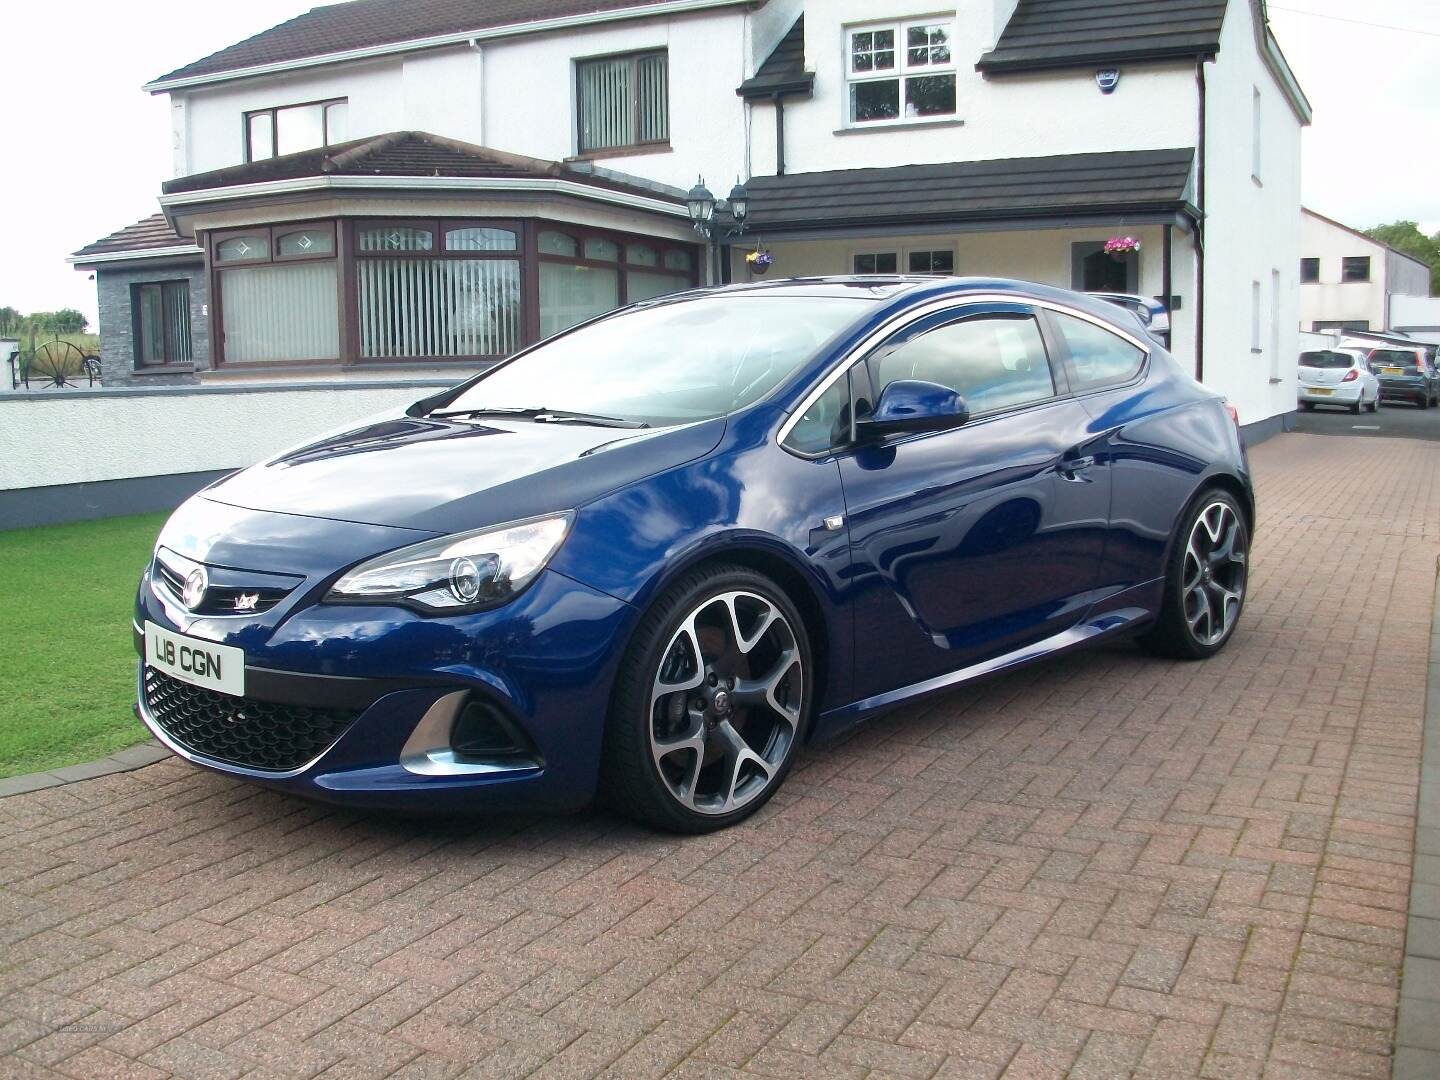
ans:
(621, 151)
(164, 369)
(1257, 352)
(907, 125)
(1257, 181)
(1276, 382)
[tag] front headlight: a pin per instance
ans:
(457, 573)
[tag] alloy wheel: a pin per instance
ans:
(725, 704)
(1214, 572)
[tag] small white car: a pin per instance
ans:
(1338, 377)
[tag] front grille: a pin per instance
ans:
(228, 592)
(254, 734)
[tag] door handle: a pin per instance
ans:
(1075, 468)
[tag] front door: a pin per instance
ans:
(969, 543)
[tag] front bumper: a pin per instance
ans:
(545, 661)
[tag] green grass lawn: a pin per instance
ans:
(67, 662)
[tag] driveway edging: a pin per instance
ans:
(1417, 1032)
(127, 760)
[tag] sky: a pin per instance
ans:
(85, 149)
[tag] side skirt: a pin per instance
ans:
(1109, 624)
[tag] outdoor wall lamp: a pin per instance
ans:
(703, 205)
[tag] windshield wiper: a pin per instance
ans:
(548, 416)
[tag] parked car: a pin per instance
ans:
(1338, 377)
(658, 553)
(1406, 374)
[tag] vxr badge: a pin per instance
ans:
(246, 601)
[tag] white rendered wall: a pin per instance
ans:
(117, 434)
(516, 95)
(1003, 117)
(1252, 230)
(1330, 299)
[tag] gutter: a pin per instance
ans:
(524, 185)
(463, 37)
(176, 251)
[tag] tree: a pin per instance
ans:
(11, 321)
(1406, 236)
(67, 321)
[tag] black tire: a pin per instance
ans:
(1357, 407)
(631, 780)
(1308, 406)
(1172, 634)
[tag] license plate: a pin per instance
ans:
(1392, 371)
(1319, 390)
(200, 663)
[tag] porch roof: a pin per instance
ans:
(147, 236)
(783, 71)
(418, 154)
(1021, 189)
(1082, 33)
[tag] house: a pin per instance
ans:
(1348, 281)
(384, 186)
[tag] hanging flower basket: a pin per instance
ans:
(1121, 248)
(759, 261)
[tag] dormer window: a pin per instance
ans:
(900, 71)
(288, 129)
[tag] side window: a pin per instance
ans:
(993, 361)
(826, 423)
(1097, 357)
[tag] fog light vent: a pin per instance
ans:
(481, 731)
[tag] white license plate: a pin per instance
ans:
(200, 663)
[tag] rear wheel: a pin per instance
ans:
(711, 703)
(1357, 407)
(1308, 406)
(1205, 581)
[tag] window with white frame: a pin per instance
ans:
(909, 260)
(937, 261)
(876, 262)
(900, 71)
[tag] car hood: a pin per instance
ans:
(447, 475)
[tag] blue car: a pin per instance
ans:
(654, 556)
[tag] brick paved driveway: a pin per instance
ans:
(1104, 865)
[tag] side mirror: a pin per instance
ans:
(908, 406)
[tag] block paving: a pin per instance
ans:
(1104, 866)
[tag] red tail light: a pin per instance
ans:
(1234, 414)
(1351, 375)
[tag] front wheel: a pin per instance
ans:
(1204, 581)
(710, 706)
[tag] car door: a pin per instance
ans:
(971, 542)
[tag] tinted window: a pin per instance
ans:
(1382, 358)
(1098, 357)
(824, 424)
(1309, 269)
(1326, 360)
(993, 362)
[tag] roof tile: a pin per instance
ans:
(1073, 33)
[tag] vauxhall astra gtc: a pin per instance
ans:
(654, 556)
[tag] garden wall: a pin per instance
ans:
(71, 455)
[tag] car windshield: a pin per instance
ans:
(1326, 360)
(671, 363)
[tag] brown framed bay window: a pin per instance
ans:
(584, 273)
(623, 102)
(423, 290)
(278, 294)
(160, 311)
(438, 289)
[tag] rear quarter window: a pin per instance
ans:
(1098, 357)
